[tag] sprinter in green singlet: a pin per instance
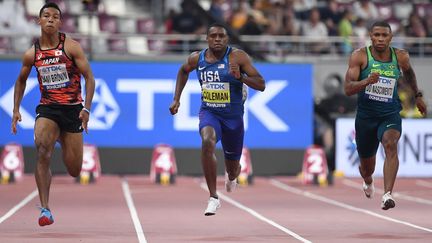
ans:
(373, 74)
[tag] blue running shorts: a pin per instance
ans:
(229, 130)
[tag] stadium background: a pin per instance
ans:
(135, 60)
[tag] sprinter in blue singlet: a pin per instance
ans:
(223, 72)
(373, 74)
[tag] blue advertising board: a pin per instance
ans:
(131, 101)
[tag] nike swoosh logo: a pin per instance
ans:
(376, 65)
(201, 68)
(389, 125)
(228, 152)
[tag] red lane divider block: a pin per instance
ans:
(246, 172)
(91, 168)
(163, 166)
(315, 168)
(11, 163)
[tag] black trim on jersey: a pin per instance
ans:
(57, 47)
(64, 50)
(367, 63)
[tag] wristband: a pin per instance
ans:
(86, 110)
(418, 94)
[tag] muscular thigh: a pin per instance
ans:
(206, 118)
(72, 147)
(46, 132)
(366, 137)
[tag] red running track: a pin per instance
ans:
(274, 209)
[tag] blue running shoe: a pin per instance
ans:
(45, 217)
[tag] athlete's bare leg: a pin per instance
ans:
(208, 158)
(232, 168)
(72, 152)
(46, 134)
(391, 165)
(367, 168)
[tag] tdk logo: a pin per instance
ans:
(215, 86)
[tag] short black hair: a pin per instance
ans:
(380, 24)
(219, 25)
(49, 5)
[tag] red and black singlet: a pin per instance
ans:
(59, 77)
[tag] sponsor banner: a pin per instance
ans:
(131, 101)
(414, 148)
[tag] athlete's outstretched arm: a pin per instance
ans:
(182, 77)
(410, 77)
(240, 63)
(20, 85)
(83, 65)
(352, 84)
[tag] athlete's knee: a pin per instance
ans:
(208, 144)
(44, 151)
(390, 146)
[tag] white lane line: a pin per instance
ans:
(257, 215)
(133, 212)
(395, 194)
(17, 207)
(424, 183)
(288, 188)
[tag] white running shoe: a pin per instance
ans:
(230, 186)
(368, 189)
(212, 206)
(387, 201)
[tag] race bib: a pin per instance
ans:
(216, 92)
(381, 91)
(54, 76)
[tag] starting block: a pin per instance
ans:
(246, 172)
(315, 168)
(163, 166)
(91, 169)
(11, 163)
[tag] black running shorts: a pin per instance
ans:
(66, 116)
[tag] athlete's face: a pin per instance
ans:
(50, 20)
(217, 38)
(381, 38)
